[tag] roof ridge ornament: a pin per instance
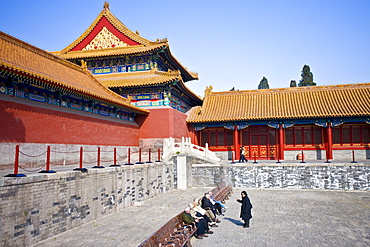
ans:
(164, 40)
(84, 65)
(208, 91)
(106, 5)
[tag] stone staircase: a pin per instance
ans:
(200, 154)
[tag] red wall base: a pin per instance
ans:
(29, 124)
(163, 123)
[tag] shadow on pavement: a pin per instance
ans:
(236, 222)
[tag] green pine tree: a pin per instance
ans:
(307, 77)
(263, 84)
(293, 83)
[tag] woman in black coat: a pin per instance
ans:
(245, 212)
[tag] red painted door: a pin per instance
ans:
(259, 142)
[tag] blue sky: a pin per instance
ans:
(229, 43)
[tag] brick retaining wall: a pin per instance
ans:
(291, 176)
(38, 207)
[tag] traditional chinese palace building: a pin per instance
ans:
(113, 87)
(322, 121)
(143, 71)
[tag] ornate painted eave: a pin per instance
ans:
(350, 100)
(25, 59)
(190, 93)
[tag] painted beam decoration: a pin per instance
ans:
(126, 64)
(31, 89)
(158, 97)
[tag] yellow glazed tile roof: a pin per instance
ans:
(22, 57)
(350, 100)
(146, 78)
(135, 79)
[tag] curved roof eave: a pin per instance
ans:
(191, 94)
(186, 74)
(116, 100)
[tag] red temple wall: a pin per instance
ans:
(22, 123)
(163, 123)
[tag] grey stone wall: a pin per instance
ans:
(224, 155)
(209, 175)
(308, 154)
(37, 207)
(345, 155)
(290, 176)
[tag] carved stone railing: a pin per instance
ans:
(171, 148)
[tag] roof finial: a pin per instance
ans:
(83, 64)
(106, 5)
(208, 91)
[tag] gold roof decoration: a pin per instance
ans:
(106, 5)
(21, 57)
(349, 100)
(84, 64)
(104, 39)
(208, 91)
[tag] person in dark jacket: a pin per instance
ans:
(208, 205)
(245, 211)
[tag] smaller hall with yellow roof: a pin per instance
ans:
(326, 122)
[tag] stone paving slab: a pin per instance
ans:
(128, 227)
(295, 218)
(280, 218)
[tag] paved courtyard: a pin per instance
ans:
(280, 218)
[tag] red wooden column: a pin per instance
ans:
(329, 142)
(197, 138)
(236, 143)
(281, 142)
(194, 136)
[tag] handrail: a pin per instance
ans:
(170, 148)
